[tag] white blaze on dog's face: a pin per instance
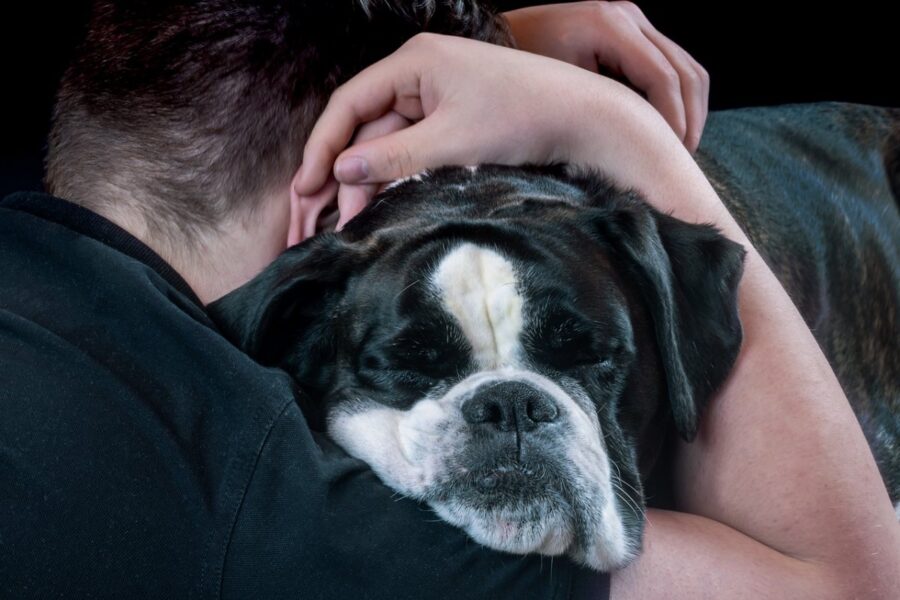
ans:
(477, 286)
(512, 453)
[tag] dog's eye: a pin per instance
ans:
(370, 361)
(418, 356)
(427, 355)
(378, 369)
(573, 349)
(564, 342)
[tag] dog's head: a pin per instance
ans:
(497, 342)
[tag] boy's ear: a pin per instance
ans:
(688, 276)
(291, 301)
(305, 212)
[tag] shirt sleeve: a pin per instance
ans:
(316, 523)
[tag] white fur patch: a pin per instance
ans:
(897, 510)
(399, 445)
(610, 548)
(478, 287)
(417, 177)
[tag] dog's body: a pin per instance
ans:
(512, 345)
(816, 188)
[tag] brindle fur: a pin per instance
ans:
(815, 188)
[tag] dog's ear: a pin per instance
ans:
(688, 276)
(274, 316)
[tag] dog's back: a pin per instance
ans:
(816, 189)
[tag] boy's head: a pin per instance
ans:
(187, 116)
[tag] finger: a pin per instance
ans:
(391, 83)
(400, 154)
(388, 123)
(704, 79)
(384, 125)
(644, 65)
(352, 199)
(694, 85)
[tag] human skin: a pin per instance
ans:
(618, 38)
(604, 37)
(780, 496)
(615, 33)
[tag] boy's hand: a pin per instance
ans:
(616, 38)
(599, 36)
(472, 103)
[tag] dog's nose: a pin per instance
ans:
(510, 406)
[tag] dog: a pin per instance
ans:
(517, 346)
(513, 345)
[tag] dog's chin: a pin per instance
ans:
(517, 509)
(524, 528)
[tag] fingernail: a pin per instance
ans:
(351, 170)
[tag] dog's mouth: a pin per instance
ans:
(502, 482)
(517, 506)
(514, 506)
(503, 479)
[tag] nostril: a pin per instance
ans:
(482, 409)
(493, 413)
(541, 409)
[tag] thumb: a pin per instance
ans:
(393, 156)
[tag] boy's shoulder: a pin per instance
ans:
(130, 425)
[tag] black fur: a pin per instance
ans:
(688, 276)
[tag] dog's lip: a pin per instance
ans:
(492, 479)
(503, 479)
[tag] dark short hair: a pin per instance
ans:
(194, 110)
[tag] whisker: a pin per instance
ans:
(627, 497)
(622, 481)
(630, 502)
(406, 288)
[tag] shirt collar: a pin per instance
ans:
(90, 224)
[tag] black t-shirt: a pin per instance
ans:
(142, 455)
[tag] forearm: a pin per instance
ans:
(692, 557)
(780, 458)
(780, 455)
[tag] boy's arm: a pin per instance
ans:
(781, 479)
(616, 38)
(786, 498)
(603, 37)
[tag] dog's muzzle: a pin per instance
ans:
(508, 455)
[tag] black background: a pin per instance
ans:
(755, 52)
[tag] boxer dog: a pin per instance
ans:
(515, 346)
